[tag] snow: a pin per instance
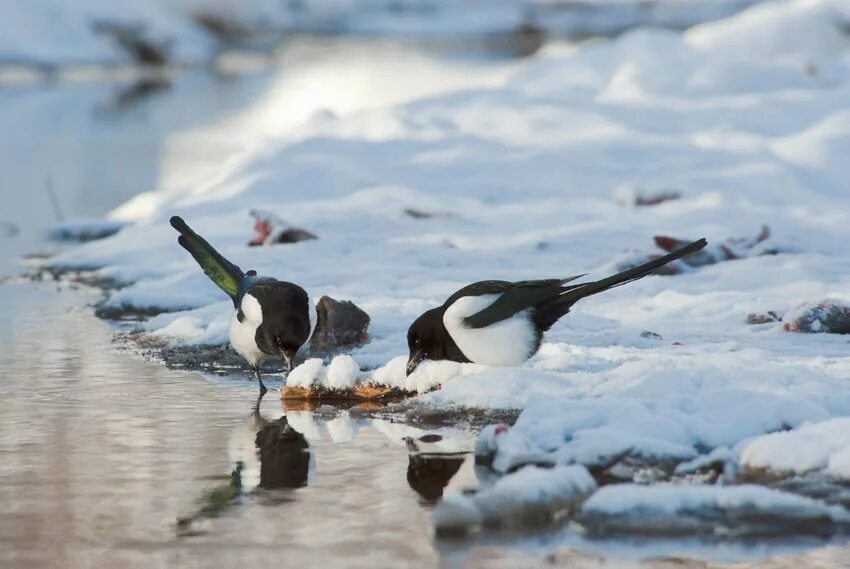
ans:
(342, 373)
(525, 157)
(774, 29)
(429, 375)
(664, 509)
(530, 495)
(822, 446)
(311, 372)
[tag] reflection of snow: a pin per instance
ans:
(341, 428)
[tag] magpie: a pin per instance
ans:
(272, 320)
(501, 323)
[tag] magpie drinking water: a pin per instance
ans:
(501, 323)
(273, 318)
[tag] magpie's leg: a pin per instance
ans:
(256, 370)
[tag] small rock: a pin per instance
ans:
(763, 318)
(651, 335)
(632, 196)
(272, 230)
(134, 40)
(672, 268)
(730, 249)
(422, 214)
(825, 317)
(340, 323)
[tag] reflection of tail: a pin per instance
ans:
(222, 272)
(213, 502)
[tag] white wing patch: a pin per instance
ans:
(311, 308)
(243, 334)
(506, 343)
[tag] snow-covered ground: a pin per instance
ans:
(748, 118)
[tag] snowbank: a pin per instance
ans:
(518, 164)
(528, 496)
(723, 511)
(822, 446)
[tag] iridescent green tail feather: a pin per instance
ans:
(222, 272)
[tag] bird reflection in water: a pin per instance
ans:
(284, 455)
(428, 470)
(266, 455)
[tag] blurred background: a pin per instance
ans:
(99, 100)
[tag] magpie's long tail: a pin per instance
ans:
(222, 272)
(575, 294)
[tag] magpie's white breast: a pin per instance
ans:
(243, 334)
(506, 343)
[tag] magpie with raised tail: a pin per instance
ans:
(272, 320)
(501, 323)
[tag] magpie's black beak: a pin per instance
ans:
(414, 361)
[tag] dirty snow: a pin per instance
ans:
(527, 157)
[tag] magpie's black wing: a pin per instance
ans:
(478, 289)
(286, 315)
(515, 297)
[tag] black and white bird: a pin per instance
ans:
(501, 323)
(273, 319)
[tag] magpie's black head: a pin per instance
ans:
(426, 338)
